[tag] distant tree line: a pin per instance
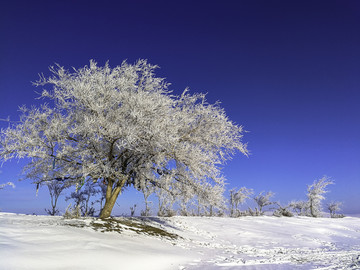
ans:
(88, 200)
(311, 207)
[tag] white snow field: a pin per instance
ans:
(44, 242)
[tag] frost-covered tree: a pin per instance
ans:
(48, 173)
(334, 207)
(123, 126)
(237, 198)
(283, 211)
(82, 198)
(132, 210)
(262, 200)
(55, 187)
(315, 195)
(300, 207)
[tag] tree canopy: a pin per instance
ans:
(124, 126)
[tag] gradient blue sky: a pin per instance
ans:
(288, 71)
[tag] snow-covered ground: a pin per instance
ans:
(43, 242)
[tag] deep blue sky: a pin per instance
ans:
(288, 71)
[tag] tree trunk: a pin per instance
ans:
(312, 210)
(110, 199)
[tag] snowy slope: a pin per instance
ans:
(43, 242)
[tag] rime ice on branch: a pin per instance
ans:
(123, 126)
(7, 184)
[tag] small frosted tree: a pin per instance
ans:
(283, 211)
(55, 187)
(315, 195)
(83, 198)
(334, 207)
(237, 198)
(301, 208)
(48, 173)
(123, 126)
(261, 201)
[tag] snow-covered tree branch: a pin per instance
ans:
(7, 184)
(123, 126)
